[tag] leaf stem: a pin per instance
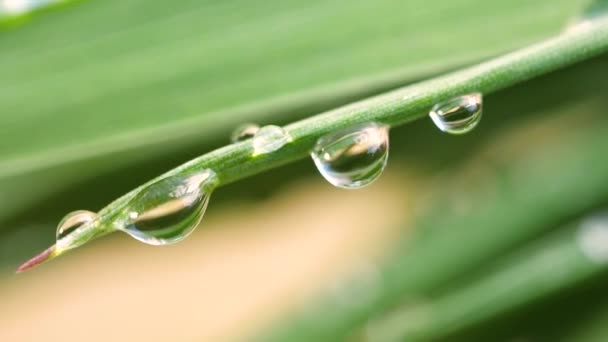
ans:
(235, 162)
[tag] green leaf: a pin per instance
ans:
(144, 79)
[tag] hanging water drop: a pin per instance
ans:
(168, 210)
(353, 157)
(244, 132)
(68, 235)
(269, 139)
(458, 115)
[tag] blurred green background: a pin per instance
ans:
(97, 97)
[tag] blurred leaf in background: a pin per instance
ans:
(99, 96)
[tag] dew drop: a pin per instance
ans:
(353, 157)
(244, 132)
(269, 139)
(168, 210)
(67, 230)
(458, 115)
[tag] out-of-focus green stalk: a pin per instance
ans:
(543, 268)
(539, 192)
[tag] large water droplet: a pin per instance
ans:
(168, 210)
(269, 139)
(458, 115)
(244, 132)
(353, 157)
(68, 227)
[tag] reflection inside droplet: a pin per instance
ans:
(269, 139)
(68, 234)
(244, 132)
(458, 115)
(354, 157)
(168, 210)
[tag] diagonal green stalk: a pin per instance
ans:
(235, 162)
(400, 106)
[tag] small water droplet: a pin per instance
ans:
(593, 238)
(67, 229)
(244, 132)
(269, 139)
(458, 115)
(168, 210)
(354, 157)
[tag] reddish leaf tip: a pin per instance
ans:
(47, 254)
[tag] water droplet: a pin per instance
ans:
(244, 132)
(168, 210)
(353, 157)
(593, 238)
(67, 230)
(458, 115)
(269, 139)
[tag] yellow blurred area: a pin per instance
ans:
(246, 265)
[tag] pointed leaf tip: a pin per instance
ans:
(47, 254)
